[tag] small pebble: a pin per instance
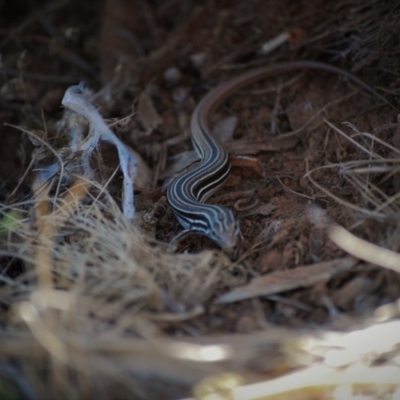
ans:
(173, 76)
(198, 59)
(180, 94)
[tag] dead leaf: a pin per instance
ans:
(147, 113)
(223, 130)
(282, 281)
(178, 163)
(143, 175)
(262, 209)
(249, 162)
(249, 147)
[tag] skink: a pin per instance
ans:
(188, 193)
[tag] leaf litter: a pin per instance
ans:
(94, 299)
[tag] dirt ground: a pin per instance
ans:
(147, 65)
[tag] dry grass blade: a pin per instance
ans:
(103, 268)
(281, 281)
(364, 250)
(43, 260)
(360, 174)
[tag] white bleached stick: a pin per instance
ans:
(76, 100)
